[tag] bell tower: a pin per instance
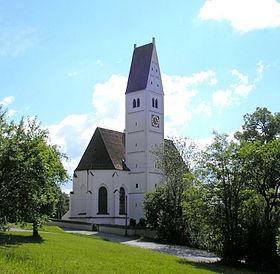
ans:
(144, 124)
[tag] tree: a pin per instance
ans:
(260, 153)
(260, 126)
(31, 171)
(163, 208)
(223, 186)
(62, 205)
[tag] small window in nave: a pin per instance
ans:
(122, 201)
(102, 201)
(134, 103)
(138, 102)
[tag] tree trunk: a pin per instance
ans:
(35, 230)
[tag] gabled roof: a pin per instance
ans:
(105, 151)
(140, 67)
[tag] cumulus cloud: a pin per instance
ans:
(7, 100)
(15, 40)
(181, 92)
(203, 107)
(222, 98)
(238, 90)
(185, 97)
(243, 15)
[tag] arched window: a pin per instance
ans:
(138, 102)
(134, 103)
(122, 201)
(153, 102)
(156, 103)
(102, 200)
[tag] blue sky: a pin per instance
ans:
(67, 62)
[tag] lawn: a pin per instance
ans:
(59, 252)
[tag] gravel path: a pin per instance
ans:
(195, 255)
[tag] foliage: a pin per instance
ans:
(260, 126)
(163, 208)
(260, 153)
(30, 171)
(227, 198)
(62, 206)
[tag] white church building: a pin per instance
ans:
(118, 168)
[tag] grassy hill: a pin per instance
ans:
(59, 252)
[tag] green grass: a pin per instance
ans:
(73, 253)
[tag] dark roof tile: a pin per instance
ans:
(140, 67)
(105, 151)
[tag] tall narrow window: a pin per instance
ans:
(134, 103)
(102, 200)
(153, 102)
(138, 102)
(156, 103)
(122, 201)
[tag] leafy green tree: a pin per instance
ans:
(223, 187)
(260, 126)
(163, 208)
(62, 205)
(31, 171)
(260, 153)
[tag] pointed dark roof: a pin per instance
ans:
(105, 151)
(140, 67)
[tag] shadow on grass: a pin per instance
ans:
(220, 267)
(7, 240)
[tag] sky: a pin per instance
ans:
(67, 63)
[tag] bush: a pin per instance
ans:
(141, 223)
(132, 222)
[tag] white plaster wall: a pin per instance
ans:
(85, 198)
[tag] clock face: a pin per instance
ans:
(155, 121)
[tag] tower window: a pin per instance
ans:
(136, 185)
(134, 103)
(153, 102)
(138, 102)
(156, 103)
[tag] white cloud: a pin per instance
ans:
(15, 40)
(11, 112)
(7, 101)
(222, 98)
(243, 15)
(183, 100)
(237, 91)
(243, 90)
(203, 107)
(180, 93)
(242, 77)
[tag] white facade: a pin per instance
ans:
(144, 128)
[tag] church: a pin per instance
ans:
(118, 168)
